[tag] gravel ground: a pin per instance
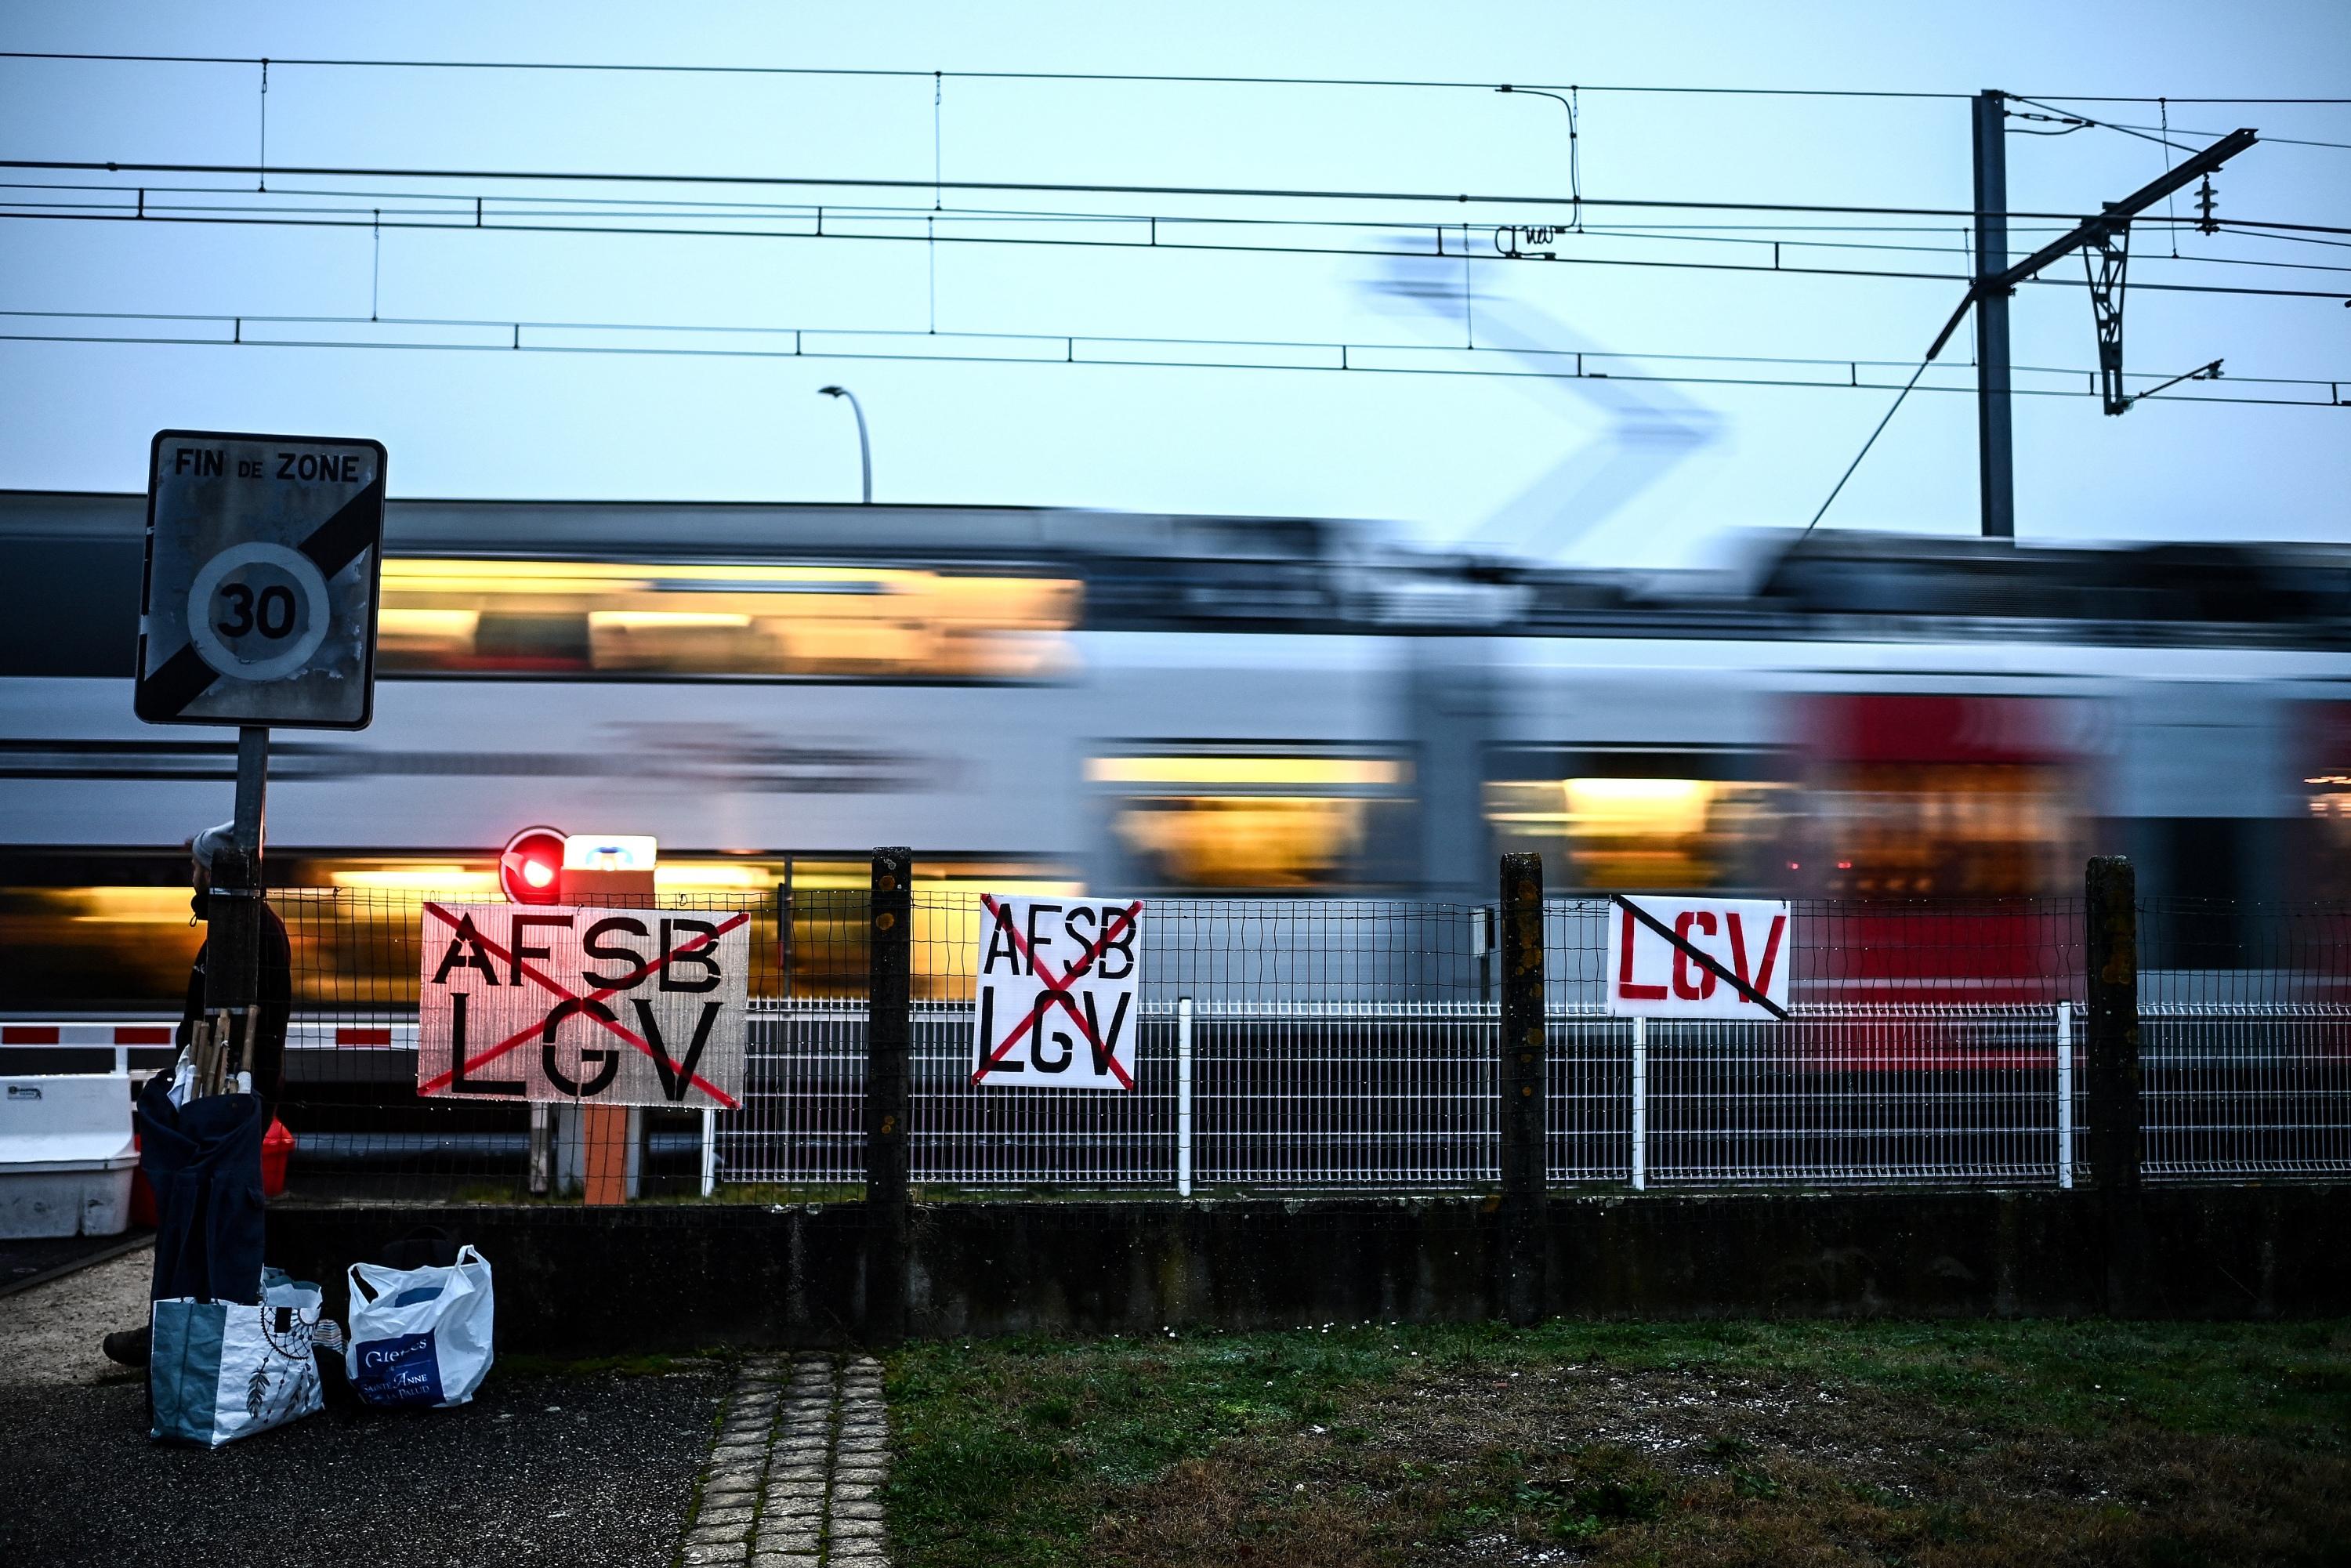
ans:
(22, 1259)
(49, 1333)
(561, 1469)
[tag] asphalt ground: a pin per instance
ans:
(574, 1469)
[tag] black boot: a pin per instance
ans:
(130, 1347)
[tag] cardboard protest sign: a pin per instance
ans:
(1059, 993)
(613, 1006)
(1699, 957)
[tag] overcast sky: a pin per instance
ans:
(1669, 467)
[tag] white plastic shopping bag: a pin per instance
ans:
(224, 1370)
(420, 1336)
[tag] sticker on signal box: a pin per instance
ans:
(1058, 997)
(1699, 957)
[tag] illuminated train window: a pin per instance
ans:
(1663, 821)
(1243, 820)
(1934, 795)
(2325, 870)
(125, 949)
(1951, 829)
(554, 617)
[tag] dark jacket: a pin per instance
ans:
(267, 1060)
(204, 1161)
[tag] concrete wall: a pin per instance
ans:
(577, 1282)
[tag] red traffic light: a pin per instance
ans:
(530, 867)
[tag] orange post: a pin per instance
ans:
(604, 1150)
(604, 1129)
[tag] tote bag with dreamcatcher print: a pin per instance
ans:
(224, 1370)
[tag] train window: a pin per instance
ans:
(125, 949)
(1942, 796)
(1620, 820)
(1254, 820)
(681, 619)
(83, 620)
(1915, 830)
(2325, 870)
(2327, 873)
(108, 949)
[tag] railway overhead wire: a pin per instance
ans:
(909, 74)
(738, 341)
(1453, 239)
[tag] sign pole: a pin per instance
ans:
(237, 946)
(252, 787)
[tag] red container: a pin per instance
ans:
(276, 1146)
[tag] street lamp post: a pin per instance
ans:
(865, 450)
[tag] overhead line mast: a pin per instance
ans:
(2107, 236)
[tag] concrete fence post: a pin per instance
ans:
(889, 1041)
(2111, 1019)
(1525, 1157)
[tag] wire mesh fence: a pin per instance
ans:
(2244, 1039)
(1902, 1094)
(1316, 1044)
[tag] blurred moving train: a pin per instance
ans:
(1161, 704)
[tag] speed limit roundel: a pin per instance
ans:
(257, 610)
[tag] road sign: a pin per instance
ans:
(1059, 984)
(605, 1006)
(1699, 957)
(263, 557)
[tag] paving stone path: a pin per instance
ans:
(795, 1478)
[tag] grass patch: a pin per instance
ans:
(1979, 1443)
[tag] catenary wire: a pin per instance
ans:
(656, 68)
(641, 67)
(1884, 420)
(2108, 125)
(650, 230)
(1335, 356)
(574, 204)
(1455, 199)
(458, 208)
